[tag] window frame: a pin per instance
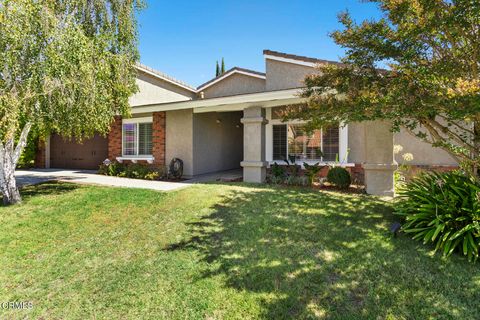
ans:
(136, 121)
(343, 142)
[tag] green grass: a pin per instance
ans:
(221, 252)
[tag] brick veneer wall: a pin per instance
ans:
(115, 139)
(158, 139)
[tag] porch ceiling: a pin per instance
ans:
(230, 103)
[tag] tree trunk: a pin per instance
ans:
(10, 192)
(476, 143)
(9, 155)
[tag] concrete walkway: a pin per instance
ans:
(28, 177)
(222, 176)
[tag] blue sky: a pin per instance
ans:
(185, 38)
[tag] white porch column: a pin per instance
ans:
(254, 164)
(379, 158)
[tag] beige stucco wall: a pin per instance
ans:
(153, 90)
(217, 146)
(356, 142)
(235, 84)
(423, 153)
(284, 75)
(179, 138)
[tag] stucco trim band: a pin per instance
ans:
(260, 120)
(255, 164)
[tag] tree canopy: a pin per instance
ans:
(66, 67)
(417, 66)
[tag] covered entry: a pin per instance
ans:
(69, 154)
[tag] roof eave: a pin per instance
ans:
(166, 79)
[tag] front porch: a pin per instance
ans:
(218, 134)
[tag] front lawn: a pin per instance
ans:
(221, 252)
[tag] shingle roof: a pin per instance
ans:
(164, 76)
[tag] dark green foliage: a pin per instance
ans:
(137, 171)
(113, 169)
(432, 87)
(443, 209)
(217, 70)
(27, 159)
(277, 170)
(340, 177)
(312, 171)
(134, 170)
(222, 71)
(293, 169)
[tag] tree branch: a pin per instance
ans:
(456, 124)
(22, 142)
(452, 135)
(437, 138)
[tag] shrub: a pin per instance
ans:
(312, 171)
(277, 170)
(137, 171)
(339, 177)
(443, 209)
(292, 169)
(296, 181)
(133, 170)
(27, 157)
(277, 180)
(114, 169)
(153, 175)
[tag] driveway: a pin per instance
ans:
(27, 177)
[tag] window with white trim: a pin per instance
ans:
(137, 138)
(293, 141)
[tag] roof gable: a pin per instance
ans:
(228, 73)
(162, 76)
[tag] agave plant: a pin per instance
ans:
(443, 209)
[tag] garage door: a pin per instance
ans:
(72, 155)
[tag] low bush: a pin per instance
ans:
(277, 171)
(296, 181)
(443, 209)
(339, 177)
(133, 170)
(312, 171)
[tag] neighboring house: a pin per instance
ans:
(234, 121)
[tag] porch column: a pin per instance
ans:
(254, 164)
(379, 164)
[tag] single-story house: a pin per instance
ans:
(233, 121)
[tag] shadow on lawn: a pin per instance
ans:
(312, 254)
(47, 188)
(44, 188)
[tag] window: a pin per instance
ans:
(292, 141)
(137, 138)
(144, 138)
(330, 140)
(279, 141)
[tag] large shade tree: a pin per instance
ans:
(431, 86)
(65, 67)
